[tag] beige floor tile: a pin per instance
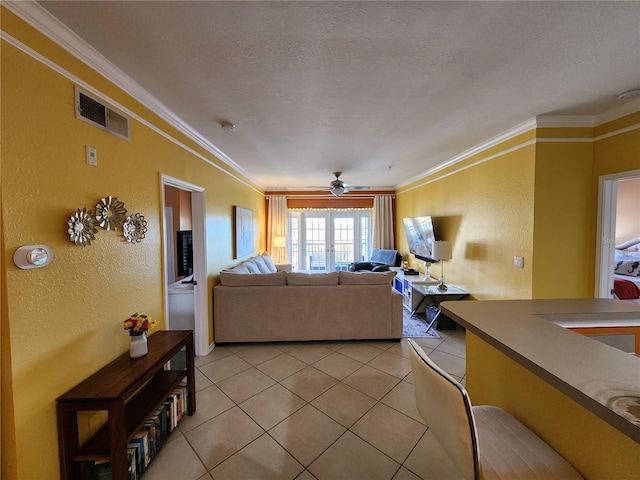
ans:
(361, 352)
(344, 404)
(262, 459)
(310, 352)
(281, 367)
(408, 378)
(352, 458)
(202, 382)
(451, 364)
(372, 381)
(257, 354)
(430, 462)
(174, 435)
(272, 406)
(307, 433)
(216, 354)
(404, 474)
(428, 344)
(245, 384)
(309, 383)
(178, 461)
(338, 365)
(389, 431)
(455, 345)
(401, 348)
(402, 398)
(206, 476)
(219, 438)
(382, 344)
(392, 364)
(224, 368)
(210, 403)
(334, 345)
(305, 476)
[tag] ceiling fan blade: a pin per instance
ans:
(357, 187)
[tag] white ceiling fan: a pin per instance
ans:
(338, 187)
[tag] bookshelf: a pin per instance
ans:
(129, 390)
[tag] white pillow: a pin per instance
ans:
(252, 266)
(269, 262)
(628, 266)
(262, 266)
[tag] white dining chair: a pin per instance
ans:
(483, 442)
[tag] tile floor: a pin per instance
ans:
(323, 410)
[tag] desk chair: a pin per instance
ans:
(484, 442)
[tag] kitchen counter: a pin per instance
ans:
(519, 358)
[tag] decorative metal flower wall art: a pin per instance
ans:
(135, 228)
(82, 227)
(110, 213)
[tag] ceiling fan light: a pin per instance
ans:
(337, 191)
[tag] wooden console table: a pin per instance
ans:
(130, 390)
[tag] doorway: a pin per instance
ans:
(329, 240)
(606, 230)
(184, 259)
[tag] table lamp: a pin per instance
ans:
(279, 242)
(442, 252)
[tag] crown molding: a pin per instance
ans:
(39, 18)
(629, 107)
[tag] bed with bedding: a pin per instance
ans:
(626, 275)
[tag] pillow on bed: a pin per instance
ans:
(628, 266)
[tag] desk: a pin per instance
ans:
(433, 294)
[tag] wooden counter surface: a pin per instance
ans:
(601, 378)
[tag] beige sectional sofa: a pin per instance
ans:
(250, 305)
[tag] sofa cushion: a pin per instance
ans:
(366, 278)
(269, 262)
(299, 278)
(233, 279)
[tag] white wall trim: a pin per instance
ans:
(558, 121)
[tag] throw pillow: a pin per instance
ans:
(231, 279)
(628, 267)
(299, 278)
(366, 278)
(262, 266)
(252, 266)
(269, 262)
(241, 268)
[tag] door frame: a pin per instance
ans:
(200, 303)
(606, 231)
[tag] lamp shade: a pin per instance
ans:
(279, 241)
(442, 250)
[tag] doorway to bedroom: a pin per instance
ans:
(185, 296)
(618, 222)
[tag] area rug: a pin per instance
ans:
(416, 326)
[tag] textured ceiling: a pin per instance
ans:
(383, 91)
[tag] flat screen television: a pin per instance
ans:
(185, 252)
(420, 237)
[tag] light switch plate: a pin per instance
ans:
(92, 156)
(518, 262)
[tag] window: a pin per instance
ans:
(329, 239)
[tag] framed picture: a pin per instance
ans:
(243, 231)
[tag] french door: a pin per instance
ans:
(329, 240)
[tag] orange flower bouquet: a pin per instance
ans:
(138, 324)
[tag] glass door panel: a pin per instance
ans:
(343, 242)
(315, 252)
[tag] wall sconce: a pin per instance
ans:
(32, 256)
(442, 252)
(279, 242)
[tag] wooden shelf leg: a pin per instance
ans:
(68, 443)
(118, 441)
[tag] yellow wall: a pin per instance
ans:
(564, 226)
(486, 212)
(64, 321)
(592, 446)
(528, 196)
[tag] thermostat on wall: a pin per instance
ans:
(32, 256)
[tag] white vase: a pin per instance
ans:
(138, 347)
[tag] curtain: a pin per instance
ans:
(277, 226)
(383, 222)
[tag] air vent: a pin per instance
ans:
(96, 112)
